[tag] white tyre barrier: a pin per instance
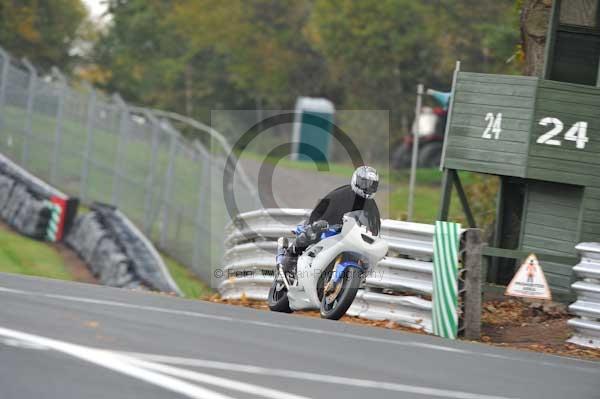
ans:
(117, 252)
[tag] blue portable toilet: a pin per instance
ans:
(313, 124)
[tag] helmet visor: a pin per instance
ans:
(369, 186)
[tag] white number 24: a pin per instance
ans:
(494, 126)
(577, 133)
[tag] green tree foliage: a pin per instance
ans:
(482, 34)
(150, 59)
(196, 55)
(376, 50)
(267, 53)
(42, 30)
(139, 51)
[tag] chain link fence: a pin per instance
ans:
(102, 149)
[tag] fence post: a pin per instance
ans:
(3, 84)
(166, 200)
(29, 118)
(472, 264)
(415, 153)
(87, 152)
(123, 130)
(204, 190)
(59, 124)
(150, 177)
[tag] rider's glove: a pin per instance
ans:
(317, 228)
(320, 226)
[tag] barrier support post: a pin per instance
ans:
(472, 264)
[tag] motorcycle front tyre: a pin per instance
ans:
(351, 282)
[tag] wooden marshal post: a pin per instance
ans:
(541, 137)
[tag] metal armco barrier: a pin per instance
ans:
(587, 306)
(263, 224)
(398, 289)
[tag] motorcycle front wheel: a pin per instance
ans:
(278, 300)
(333, 307)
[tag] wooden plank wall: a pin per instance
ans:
(566, 163)
(590, 231)
(571, 209)
(476, 95)
(551, 224)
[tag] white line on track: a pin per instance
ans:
(146, 368)
(116, 363)
(537, 362)
(307, 376)
(214, 380)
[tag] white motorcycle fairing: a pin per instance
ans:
(353, 239)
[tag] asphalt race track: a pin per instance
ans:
(70, 340)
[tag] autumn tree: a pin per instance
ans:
(378, 50)
(264, 42)
(196, 55)
(375, 50)
(44, 31)
(482, 34)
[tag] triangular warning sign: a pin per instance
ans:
(529, 281)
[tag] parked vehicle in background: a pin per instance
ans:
(429, 126)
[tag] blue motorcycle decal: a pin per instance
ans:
(329, 233)
(299, 229)
(341, 269)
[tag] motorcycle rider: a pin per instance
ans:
(358, 195)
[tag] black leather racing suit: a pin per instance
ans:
(341, 201)
(331, 209)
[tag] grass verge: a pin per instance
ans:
(22, 255)
(191, 285)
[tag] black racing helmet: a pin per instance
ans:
(365, 181)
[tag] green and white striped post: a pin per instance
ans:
(446, 241)
(52, 230)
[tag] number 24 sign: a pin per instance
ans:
(577, 132)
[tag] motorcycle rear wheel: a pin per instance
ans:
(278, 300)
(350, 284)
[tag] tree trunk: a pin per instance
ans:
(535, 16)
